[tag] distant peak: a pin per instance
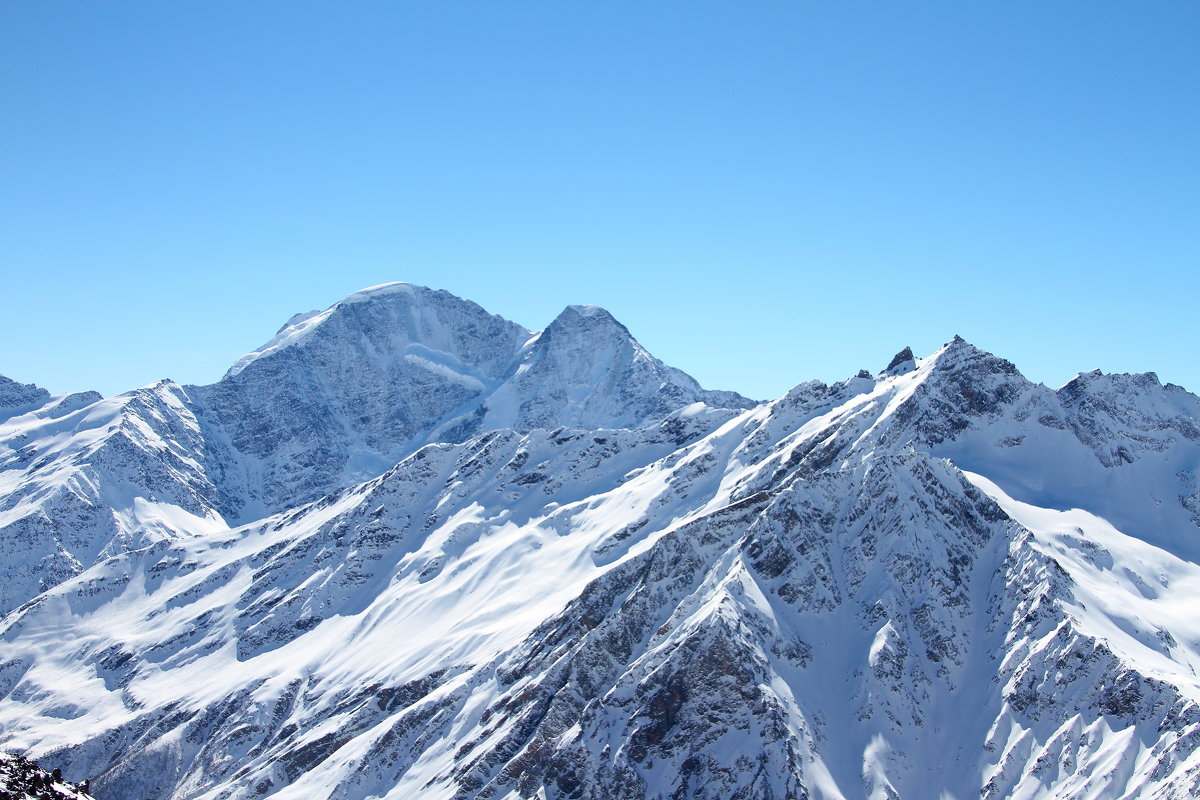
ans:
(389, 307)
(586, 311)
(959, 344)
(394, 287)
(410, 294)
(959, 348)
(588, 317)
(958, 354)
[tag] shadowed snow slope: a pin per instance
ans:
(582, 576)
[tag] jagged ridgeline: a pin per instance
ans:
(408, 548)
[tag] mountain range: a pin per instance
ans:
(408, 548)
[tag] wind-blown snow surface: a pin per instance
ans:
(941, 581)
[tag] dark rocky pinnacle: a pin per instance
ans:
(904, 355)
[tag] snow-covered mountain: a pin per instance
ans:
(83, 478)
(408, 549)
(335, 398)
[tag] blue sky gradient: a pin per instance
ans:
(762, 192)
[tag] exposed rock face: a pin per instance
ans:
(21, 779)
(941, 581)
(901, 362)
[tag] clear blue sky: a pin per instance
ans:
(762, 192)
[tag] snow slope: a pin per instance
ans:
(83, 478)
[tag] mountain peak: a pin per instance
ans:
(586, 370)
(902, 362)
(587, 310)
(587, 317)
(381, 289)
(582, 333)
(959, 353)
(961, 346)
(348, 390)
(416, 314)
